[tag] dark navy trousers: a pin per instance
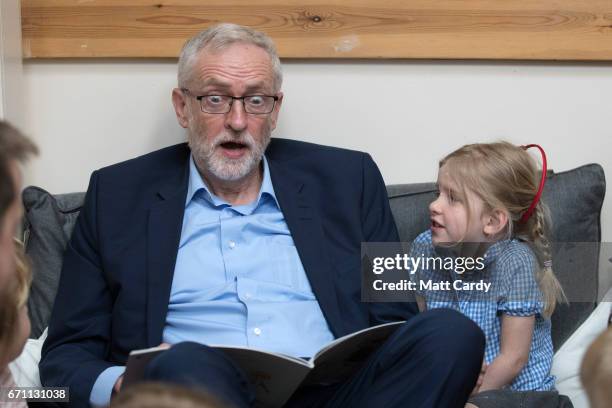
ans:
(431, 361)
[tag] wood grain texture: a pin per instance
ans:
(425, 29)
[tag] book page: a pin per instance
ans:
(274, 376)
(345, 356)
(137, 362)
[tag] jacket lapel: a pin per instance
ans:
(163, 238)
(304, 223)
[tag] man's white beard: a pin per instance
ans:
(222, 167)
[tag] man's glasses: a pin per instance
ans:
(220, 104)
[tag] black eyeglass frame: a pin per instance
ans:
(241, 98)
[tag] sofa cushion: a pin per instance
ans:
(48, 224)
(575, 198)
(567, 360)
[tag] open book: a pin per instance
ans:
(277, 376)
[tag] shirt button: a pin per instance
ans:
(232, 244)
(257, 331)
(247, 295)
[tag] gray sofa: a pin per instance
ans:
(575, 198)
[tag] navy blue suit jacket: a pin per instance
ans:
(118, 267)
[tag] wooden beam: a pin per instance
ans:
(425, 29)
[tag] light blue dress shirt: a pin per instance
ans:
(238, 280)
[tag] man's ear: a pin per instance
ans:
(179, 100)
(274, 114)
(495, 222)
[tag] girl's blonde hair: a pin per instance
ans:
(506, 177)
(13, 297)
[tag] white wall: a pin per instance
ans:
(11, 93)
(86, 114)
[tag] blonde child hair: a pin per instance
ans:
(12, 298)
(506, 177)
(596, 370)
(162, 395)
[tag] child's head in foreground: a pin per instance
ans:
(596, 371)
(14, 320)
(161, 395)
(485, 194)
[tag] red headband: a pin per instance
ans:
(536, 199)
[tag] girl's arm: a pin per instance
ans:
(516, 335)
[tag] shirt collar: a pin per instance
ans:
(197, 187)
(493, 252)
(490, 253)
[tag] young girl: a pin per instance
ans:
(489, 210)
(14, 321)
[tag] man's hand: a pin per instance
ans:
(119, 382)
(483, 370)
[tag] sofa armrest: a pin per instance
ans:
(567, 360)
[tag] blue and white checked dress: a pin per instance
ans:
(510, 267)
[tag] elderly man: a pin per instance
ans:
(238, 239)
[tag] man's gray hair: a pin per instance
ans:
(219, 37)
